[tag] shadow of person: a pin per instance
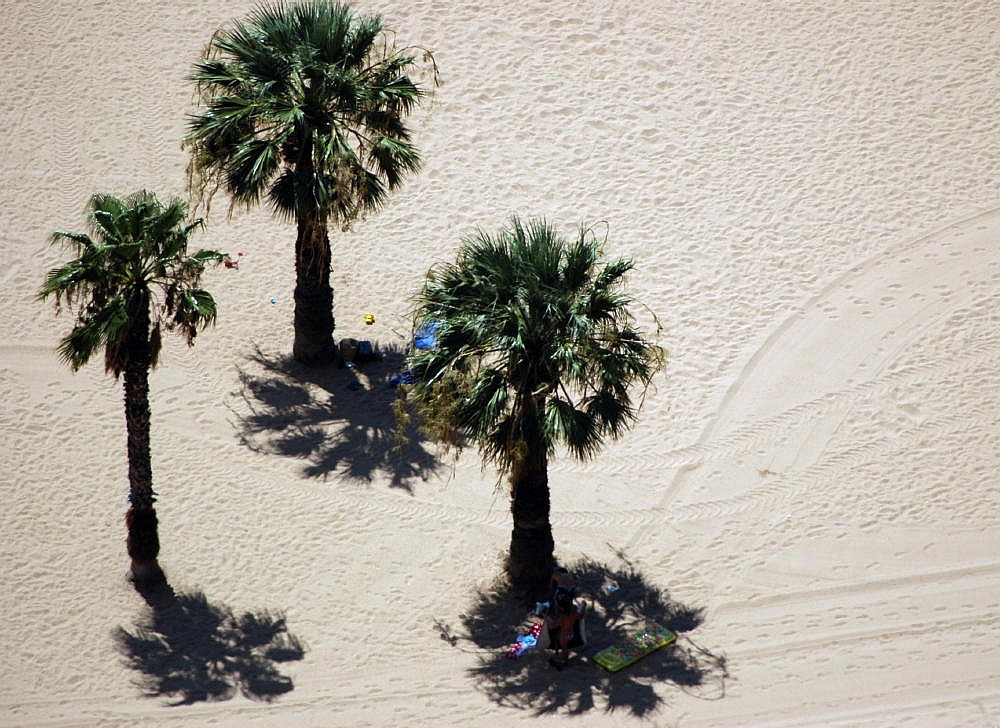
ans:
(189, 649)
(337, 420)
(621, 599)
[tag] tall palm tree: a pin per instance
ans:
(131, 279)
(305, 105)
(535, 348)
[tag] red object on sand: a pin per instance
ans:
(525, 641)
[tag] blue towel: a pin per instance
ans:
(425, 337)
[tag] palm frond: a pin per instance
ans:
(251, 168)
(194, 309)
(103, 326)
(282, 195)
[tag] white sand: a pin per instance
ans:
(810, 192)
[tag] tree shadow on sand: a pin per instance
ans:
(619, 600)
(191, 650)
(337, 419)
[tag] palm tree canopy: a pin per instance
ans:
(133, 269)
(536, 345)
(304, 104)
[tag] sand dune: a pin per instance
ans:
(810, 193)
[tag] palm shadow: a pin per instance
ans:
(192, 650)
(620, 599)
(339, 420)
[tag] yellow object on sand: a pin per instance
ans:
(369, 319)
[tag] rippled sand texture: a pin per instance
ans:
(810, 192)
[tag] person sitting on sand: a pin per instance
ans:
(562, 581)
(565, 627)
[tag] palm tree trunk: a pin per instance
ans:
(531, 545)
(143, 538)
(314, 322)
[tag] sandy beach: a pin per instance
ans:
(810, 193)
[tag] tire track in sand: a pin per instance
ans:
(823, 360)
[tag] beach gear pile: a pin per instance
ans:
(425, 337)
(525, 641)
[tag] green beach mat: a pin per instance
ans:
(638, 645)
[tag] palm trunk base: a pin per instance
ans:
(312, 353)
(143, 546)
(314, 325)
(147, 573)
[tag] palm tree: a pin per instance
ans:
(535, 348)
(131, 279)
(305, 105)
